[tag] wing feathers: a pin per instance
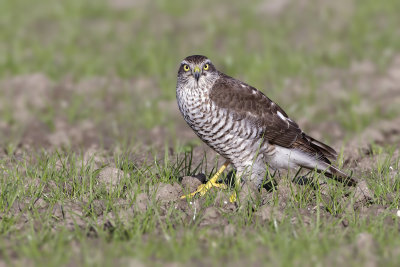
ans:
(325, 149)
(246, 102)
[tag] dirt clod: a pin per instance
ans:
(70, 215)
(98, 206)
(221, 199)
(93, 156)
(190, 183)
(362, 193)
(40, 204)
(284, 192)
(268, 213)
(110, 176)
(249, 193)
(168, 192)
(141, 203)
(212, 217)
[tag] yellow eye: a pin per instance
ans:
(186, 68)
(206, 67)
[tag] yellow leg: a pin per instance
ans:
(202, 189)
(233, 197)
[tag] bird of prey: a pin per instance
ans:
(244, 126)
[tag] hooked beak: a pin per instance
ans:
(196, 73)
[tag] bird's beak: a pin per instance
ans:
(196, 73)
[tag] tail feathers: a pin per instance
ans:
(323, 165)
(340, 176)
(291, 158)
(332, 172)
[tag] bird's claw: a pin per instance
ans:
(204, 188)
(233, 197)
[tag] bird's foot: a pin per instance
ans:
(204, 188)
(233, 197)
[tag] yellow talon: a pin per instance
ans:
(233, 197)
(202, 189)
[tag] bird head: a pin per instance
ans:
(196, 71)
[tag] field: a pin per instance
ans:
(94, 153)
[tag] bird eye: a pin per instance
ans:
(186, 67)
(206, 66)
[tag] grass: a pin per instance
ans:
(162, 234)
(116, 68)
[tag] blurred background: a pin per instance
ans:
(78, 73)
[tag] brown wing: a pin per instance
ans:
(247, 103)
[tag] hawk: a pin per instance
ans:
(244, 126)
